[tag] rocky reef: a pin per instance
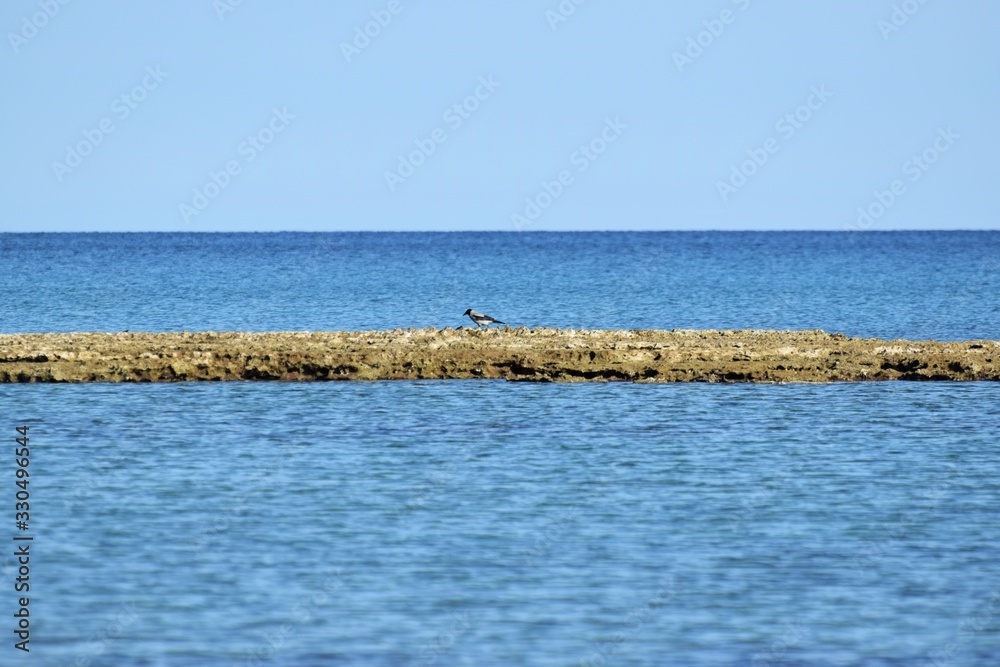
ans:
(540, 355)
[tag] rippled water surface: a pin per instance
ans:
(487, 523)
(917, 285)
(483, 523)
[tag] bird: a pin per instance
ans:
(481, 319)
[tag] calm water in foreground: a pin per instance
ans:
(486, 523)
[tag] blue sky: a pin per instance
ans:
(208, 115)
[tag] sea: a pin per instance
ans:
(482, 523)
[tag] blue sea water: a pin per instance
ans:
(492, 523)
(922, 285)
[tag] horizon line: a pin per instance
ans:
(505, 231)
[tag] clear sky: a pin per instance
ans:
(229, 115)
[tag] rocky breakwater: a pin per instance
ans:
(541, 355)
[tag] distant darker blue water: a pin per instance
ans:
(484, 523)
(941, 285)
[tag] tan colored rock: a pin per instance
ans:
(562, 355)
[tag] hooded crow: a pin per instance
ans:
(481, 319)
